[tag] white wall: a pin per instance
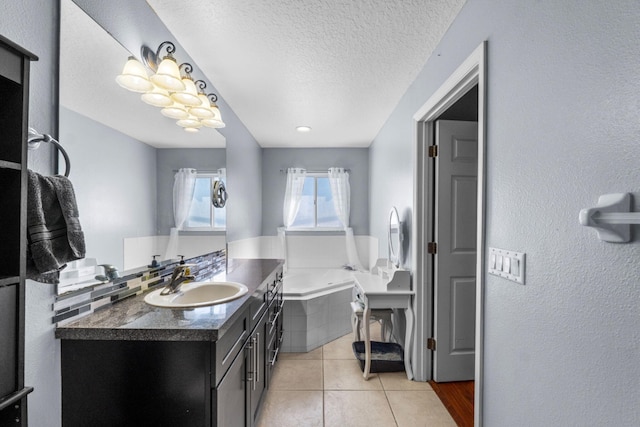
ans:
(32, 24)
(563, 128)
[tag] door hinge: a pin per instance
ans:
(433, 151)
(431, 344)
(432, 248)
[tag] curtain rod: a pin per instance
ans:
(314, 171)
(202, 170)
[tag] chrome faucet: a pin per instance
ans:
(178, 277)
(110, 273)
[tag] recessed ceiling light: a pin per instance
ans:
(303, 129)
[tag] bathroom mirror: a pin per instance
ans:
(124, 153)
(395, 238)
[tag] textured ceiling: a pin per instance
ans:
(90, 59)
(339, 66)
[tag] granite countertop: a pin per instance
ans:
(133, 319)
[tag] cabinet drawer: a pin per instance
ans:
(261, 300)
(227, 347)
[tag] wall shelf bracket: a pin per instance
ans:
(611, 217)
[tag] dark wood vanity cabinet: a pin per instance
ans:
(176, 383)
(246, 381)
(14, 89)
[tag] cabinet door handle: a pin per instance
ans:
(254, 363)
(275, 291)
(275, 356)
(257, 357)
(274, 318)
(251, 373)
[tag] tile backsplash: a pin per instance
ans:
(73, 305)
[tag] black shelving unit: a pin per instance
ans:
(14, 106)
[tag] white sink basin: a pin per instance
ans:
(197, 294)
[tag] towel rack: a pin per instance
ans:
(34, 139)
(611, 217)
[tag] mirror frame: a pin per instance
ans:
(395, 255)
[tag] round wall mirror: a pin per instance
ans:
(218, 194)
(395, 237)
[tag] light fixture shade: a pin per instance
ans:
(202, 111)
(189, 96)
(158, 97)
(216, 112)
(134, 77)
(216, 122)
(190, 122)
(168, 75)
(175, 111)
(168, 89)
(213, 123)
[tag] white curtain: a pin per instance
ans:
(292, 199)
(293, 195)
(183, 186)
(341, 192)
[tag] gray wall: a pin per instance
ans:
(114, 178)
(244, 181)
(169, 161)
(133, 24)
(562, 129)
(33, 24)
(274, 182)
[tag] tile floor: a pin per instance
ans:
(325, 388)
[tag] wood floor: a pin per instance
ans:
(457, 397)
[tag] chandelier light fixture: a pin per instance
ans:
(172, 88)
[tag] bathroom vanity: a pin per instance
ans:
(135, 364)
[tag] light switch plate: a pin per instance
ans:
(511, 266)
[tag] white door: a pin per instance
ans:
(456, 169)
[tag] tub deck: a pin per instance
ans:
(307, 282)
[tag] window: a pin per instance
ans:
(316, 205)
(203, 216)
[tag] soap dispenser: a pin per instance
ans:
(154, 262)
(187, 270)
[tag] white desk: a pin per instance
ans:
(374, 292)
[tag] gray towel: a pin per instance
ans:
(54, 234)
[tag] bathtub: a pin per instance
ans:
(305, 283)
(317, 307)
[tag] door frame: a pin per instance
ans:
(473, 71)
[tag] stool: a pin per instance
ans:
(382, 315)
